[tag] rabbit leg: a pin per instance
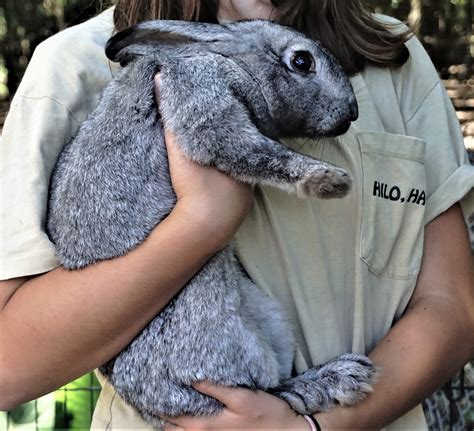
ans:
(253, 158)
(262, 160)
(344, 381)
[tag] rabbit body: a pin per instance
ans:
(227, 96)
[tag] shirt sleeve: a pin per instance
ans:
(58, 91)
(449, 174)
(36, 129)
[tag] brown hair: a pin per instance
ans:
(131, 12)
(345, 27)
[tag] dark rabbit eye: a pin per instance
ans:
(303, 61)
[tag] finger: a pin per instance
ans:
(157, 85)
(173, 427)
(171, 145)
(238, 400)
(220, 421)
(170, 138)
(171, 424)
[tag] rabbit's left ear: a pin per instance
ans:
(146, 37)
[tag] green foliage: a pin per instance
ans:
(31, 416)
(75, 403)
(24, 24)
(69, 408)
(444, 26)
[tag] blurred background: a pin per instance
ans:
(445, 28)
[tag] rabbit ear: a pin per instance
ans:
(143, 38)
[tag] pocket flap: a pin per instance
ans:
(386, 144)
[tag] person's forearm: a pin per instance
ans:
(433, 339)
(57, 326)
(417, 356)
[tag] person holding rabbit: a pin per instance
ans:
(385, 271)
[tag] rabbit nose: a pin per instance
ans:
(353, 111)
(341, 128)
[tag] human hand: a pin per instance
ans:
(244, 409)
(204, 194)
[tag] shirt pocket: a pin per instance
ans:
(393, 204)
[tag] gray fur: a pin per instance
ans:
(470, 225)
(228, 94)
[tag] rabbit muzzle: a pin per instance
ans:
(343, 126)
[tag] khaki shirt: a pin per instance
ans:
(343, 269)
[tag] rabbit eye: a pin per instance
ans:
(303, 61)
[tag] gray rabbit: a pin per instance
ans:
(229, 92)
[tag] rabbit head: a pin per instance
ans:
(294, 85)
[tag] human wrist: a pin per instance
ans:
(344, 419)
(313, 423)
(297, 422)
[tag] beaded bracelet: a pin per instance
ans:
(313, 423)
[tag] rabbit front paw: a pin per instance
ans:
(343, 381)
(325, 183)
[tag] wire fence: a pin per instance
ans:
(452, 407)
(71, 407)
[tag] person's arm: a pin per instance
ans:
(60, 325)
(428, 345)
(433, 339)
